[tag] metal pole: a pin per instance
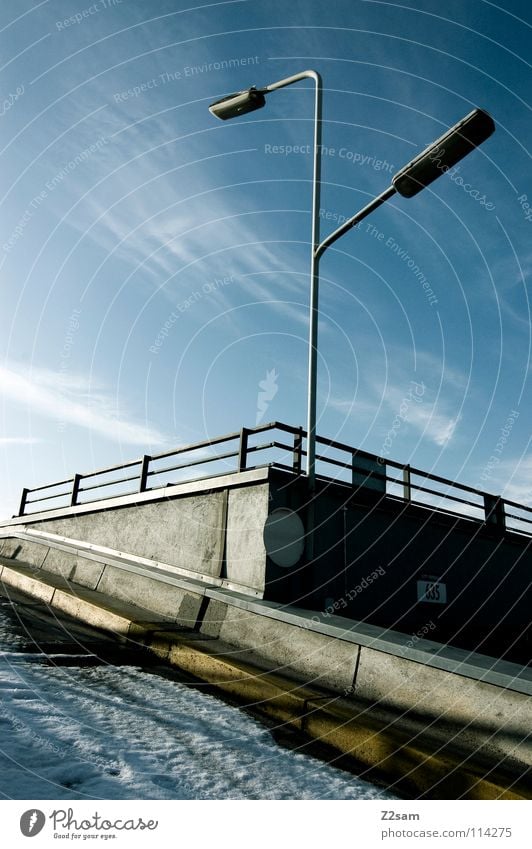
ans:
(313, 323)
(317, 249)
(314, 297)
(355, 219)
(314, 267)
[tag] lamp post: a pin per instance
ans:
(238, 104)
(430, 164)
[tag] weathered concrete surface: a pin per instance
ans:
(412, 756)
(173, 602)
(165, 594)
(25, 551)
(407, 686)
(26, 580)
(317, 659)
(360, 534)
(485, 713)
(84, 604)
(493, 721)
(247, 511)
(73, 567)
(186, 532)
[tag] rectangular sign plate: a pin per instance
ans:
(432, 591)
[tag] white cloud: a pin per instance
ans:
(513, 480)
(70, 398)
(427, 416)
(439, 427)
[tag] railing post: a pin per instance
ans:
(407, 487)
(494, 512)
(75, 490)
(298, 451)
(143, 480)
(243, 450)
(355, 476)
(23, 499)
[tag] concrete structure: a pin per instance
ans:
(378, 558)
(365, 692)
(372, 646)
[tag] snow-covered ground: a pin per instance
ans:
(117, 732)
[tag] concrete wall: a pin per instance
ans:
(317, 659)
(165, 595)
(247, 511)
(216, 533)
(371, 554)
(177, 603)
(186, 532)
(370, 667)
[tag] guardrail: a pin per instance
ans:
(236, 452)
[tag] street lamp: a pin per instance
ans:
(430, 164)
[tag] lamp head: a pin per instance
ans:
(445, 152)
(237, 104)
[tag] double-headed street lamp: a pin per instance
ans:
(434, 161)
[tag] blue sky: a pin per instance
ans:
(154, 261)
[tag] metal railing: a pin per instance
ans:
(284, 449)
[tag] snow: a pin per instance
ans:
(120, 732)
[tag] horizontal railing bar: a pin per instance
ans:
(263, 447)
(50, 485)
(413, 471)
(48, 497)
(195, 446)
(333, 462)
(341, 446)
(280, 466)
(292, 449)
(360, 470)
(217, 475)
(518, 518)
(274, 444)
(108, 497)
(193, 463)
(446, 511)
(447, 497)
(438, 479)
(110, 469)
(279, 426)
(108, 483)
(420, 488)
(515, 504)
(227, 438)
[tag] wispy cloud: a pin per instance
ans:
(429, 418)
(164, 233)
(513, 479)
(384, 395)
(74, 399)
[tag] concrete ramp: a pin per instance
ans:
(359, 688)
